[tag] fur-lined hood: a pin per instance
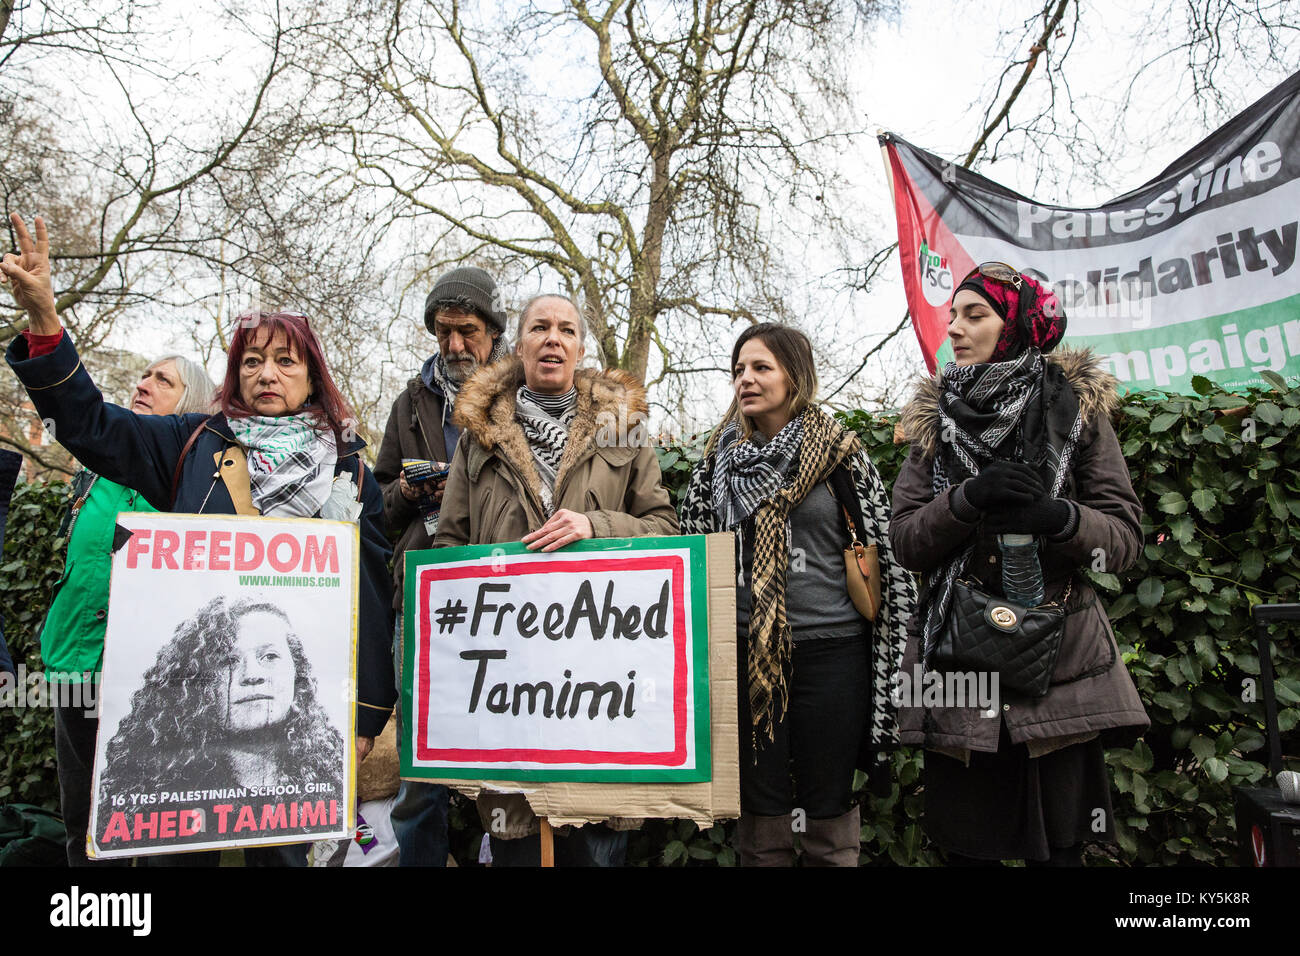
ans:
(485, 409)
(1094, 388)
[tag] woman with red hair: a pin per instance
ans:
(283, 443)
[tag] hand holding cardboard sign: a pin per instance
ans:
(564, 527)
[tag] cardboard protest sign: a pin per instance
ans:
(1192, 274)
(228, 690)
(599, 680)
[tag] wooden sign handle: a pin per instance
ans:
(547, 837)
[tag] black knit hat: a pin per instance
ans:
(471, 285)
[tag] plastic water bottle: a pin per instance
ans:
(1022, 575)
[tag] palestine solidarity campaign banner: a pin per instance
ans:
(228, 686)
(1194, 273)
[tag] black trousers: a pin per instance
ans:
(810, 762)
(74, 749)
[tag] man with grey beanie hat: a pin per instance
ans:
(465, 315)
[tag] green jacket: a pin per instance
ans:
(72, 640)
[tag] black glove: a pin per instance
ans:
(1047, 516)
(1003, 483)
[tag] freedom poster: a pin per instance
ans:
(228, 690)
(1193, 274)
(585, 664)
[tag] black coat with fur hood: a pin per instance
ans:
(1091, 693)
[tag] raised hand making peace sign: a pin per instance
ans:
(27, 274)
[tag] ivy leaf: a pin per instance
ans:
(1268, 413)
(1140, 791)
(1202, 385)
(674, 851)
(1105, 580)
(1217, 769)
(1276, 501)
(1252, 564)
(1164, 421)
(1203, 499)
(1172, 502)
(1183, 529)
(1202, 748)
(1150, 591)
(1122, 605)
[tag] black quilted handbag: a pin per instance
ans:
(983, 633)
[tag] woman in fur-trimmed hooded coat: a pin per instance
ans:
(606, 473)
(1028, 782)
(494, 493)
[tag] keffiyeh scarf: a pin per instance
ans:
(1019, 410)
(545, 421)
(767, 482)
(290, 463)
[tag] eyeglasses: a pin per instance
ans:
(251, 320)
(999, 272)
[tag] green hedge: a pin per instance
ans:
(29, 568)
(1219, 479)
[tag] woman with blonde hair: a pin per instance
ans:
(797, 488)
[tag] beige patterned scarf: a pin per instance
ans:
(825, 444)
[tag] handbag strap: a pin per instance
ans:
(180, 462)
(1065, 596)
(848, 519)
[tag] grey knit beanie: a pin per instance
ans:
(468, 284)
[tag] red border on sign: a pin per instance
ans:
(670, 758)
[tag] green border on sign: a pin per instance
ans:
(699, 598)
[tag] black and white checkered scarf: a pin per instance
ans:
(995, 410)
(290, 463)
(746, 473)
(898, 606)
(545, 420)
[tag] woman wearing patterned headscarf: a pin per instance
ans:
(815, 674)
(1009, 439)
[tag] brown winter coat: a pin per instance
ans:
(494, 493)
(1091, 690)
(414, 431)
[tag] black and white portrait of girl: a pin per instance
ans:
(230, 701)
